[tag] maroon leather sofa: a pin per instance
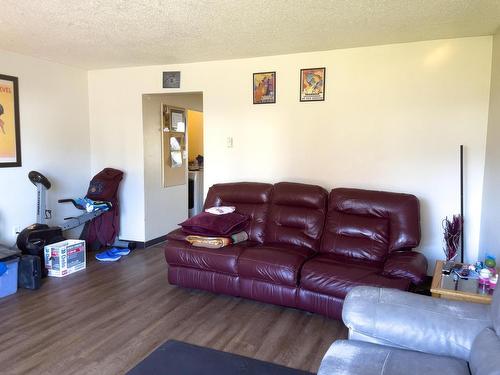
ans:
(306, 248)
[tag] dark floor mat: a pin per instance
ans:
(179, 358)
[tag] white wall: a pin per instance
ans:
(393, 119)
(53, 101)
(490, 233)
(164, 207)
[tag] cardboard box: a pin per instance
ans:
(65, 257)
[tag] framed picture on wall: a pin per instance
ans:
(10, 136)
(264, 88)
(312, 84)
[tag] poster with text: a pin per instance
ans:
(312, 84)
(264, 88)
(10, 148)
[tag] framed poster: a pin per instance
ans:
(312, 84)
(264, 88)
(10, 136)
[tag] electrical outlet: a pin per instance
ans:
(16, 229)
(229, 142)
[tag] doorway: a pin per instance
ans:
(195, 162)
(173, 156)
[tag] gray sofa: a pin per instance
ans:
(395, 332)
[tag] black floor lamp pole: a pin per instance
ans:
(462, 202)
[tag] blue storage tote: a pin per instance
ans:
(8, 279)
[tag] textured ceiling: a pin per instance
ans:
(113, 33)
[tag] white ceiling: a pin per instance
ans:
(114, 33)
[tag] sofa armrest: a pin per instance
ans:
(177, 235)
(407, 265)
(405, 320)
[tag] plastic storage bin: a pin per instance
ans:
(8, 280)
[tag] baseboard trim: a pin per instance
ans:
(154, 241)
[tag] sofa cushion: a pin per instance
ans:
(297, 215)
(362, 358)
(367, 224)
(275, 264)
(407, 264)
(335, 276)
(223, 260)
(249, 198)
(356, 236)
(413, 321)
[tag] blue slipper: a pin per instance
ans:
(107, 256)
(119, 251)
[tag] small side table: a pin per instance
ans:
(444, 286)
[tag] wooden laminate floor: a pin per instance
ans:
(107, 318)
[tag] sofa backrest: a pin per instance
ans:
(367, 224)
(297, 215)
(250, 198)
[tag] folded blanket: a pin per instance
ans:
(208, 242)
(210, 225)
(216, 242)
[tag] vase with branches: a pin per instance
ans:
(452, 231)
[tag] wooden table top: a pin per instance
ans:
(438, 290)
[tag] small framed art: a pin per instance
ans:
(312, 84)
(264, 88)
(171, 80)
(10, 137)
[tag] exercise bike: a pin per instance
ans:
(33, 239)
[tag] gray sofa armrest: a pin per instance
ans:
(410, 321)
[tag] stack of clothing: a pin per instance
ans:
(216, 227)
(90, 205)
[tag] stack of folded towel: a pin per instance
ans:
(216, 227)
